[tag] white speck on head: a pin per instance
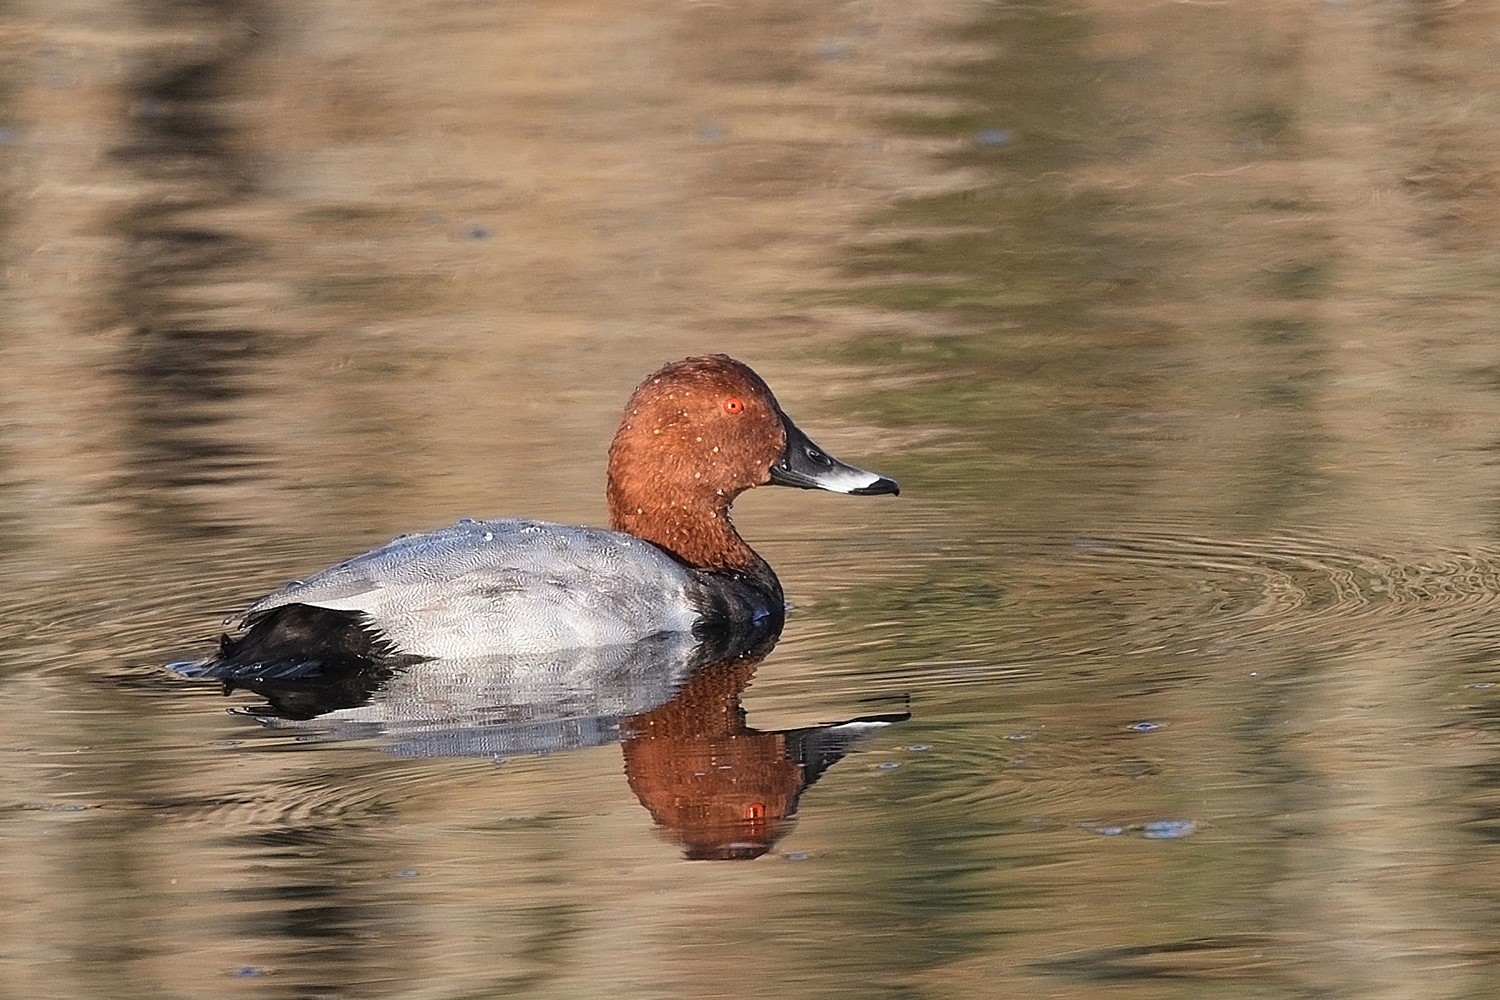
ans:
(699, 439)
(656, 430)
(489, 536)
(697, 475)
(716, 449)
(637, 510)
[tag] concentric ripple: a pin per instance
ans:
(1056, 681)
(1009, 609)
(1247, 591)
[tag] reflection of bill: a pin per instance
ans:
(722, 790)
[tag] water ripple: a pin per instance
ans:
(1301, 587)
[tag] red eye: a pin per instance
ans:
(733, 405)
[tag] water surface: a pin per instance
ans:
(1175, 322)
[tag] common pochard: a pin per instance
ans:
(694, 436)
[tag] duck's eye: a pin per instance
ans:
(733, 405)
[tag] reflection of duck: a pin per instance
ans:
(722, 790)
(693, 437)
(497, 706)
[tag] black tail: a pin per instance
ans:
(295, 640)
(303, 660)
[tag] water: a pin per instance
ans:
(1175, 322)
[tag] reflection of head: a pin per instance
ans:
(724, 791)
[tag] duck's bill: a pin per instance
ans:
(805, 465)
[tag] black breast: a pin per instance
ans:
(735, 598)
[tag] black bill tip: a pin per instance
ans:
(877, 488)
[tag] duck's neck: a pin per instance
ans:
(696, 531)
(737, 585)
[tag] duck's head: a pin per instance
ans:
(702, 430)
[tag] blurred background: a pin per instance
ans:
(1176, 321)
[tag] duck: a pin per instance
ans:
(694, 435)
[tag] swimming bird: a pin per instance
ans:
(694, 436)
